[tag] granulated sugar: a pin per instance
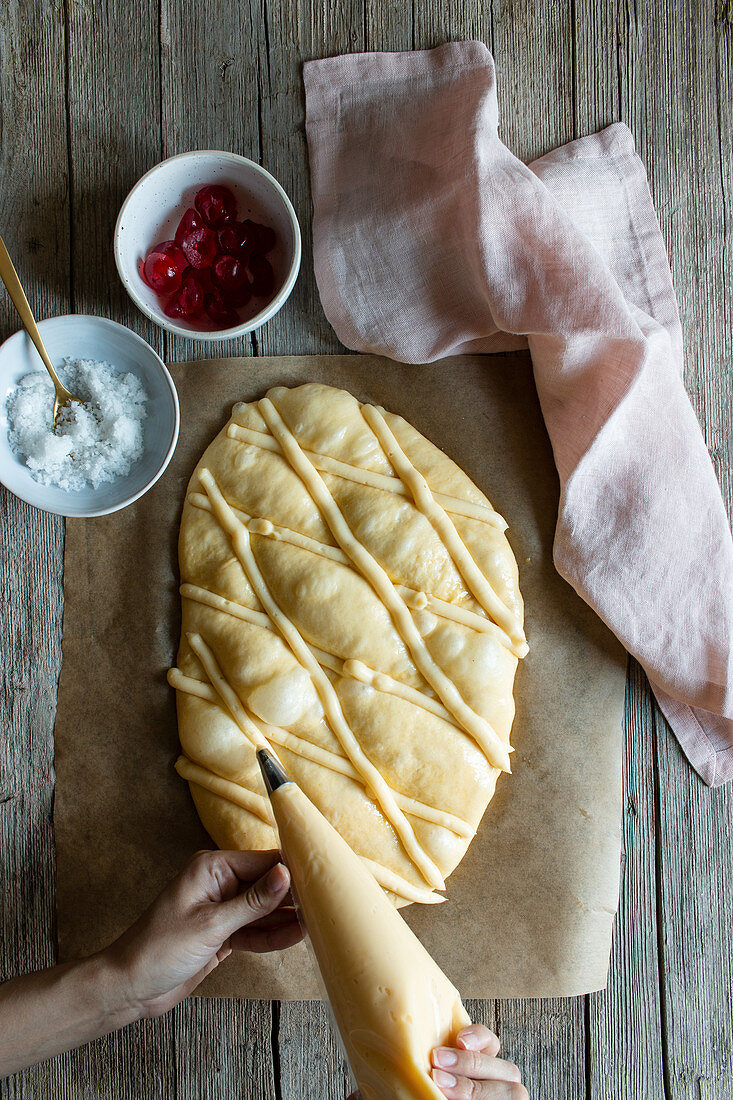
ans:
(95, 441)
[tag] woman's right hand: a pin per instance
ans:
(219, 903)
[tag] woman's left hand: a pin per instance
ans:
(221, 902)
(472, 1070)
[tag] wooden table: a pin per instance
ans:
(94, 92)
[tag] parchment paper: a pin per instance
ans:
(531, 906)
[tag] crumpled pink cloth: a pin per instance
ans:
(432, 239)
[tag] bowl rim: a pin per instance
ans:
(277, 302)
(79, 513)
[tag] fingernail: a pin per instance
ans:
(277, 878)
(444, 1080)
(444, 1056)
(469, 1039)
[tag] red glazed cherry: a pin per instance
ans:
(199, 247)
(216, 204)
(219, 312)
(263, 277)
(229, 273)
(174, 252)
(238, 298)
(191, 220)
(264, 237)
(186, 302)
(201, 276)
(236, 240)
(161, 273)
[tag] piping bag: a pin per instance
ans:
(391, 1002)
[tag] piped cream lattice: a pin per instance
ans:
(349, 599)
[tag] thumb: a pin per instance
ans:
(259, 899)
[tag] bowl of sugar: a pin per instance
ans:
(108, 449)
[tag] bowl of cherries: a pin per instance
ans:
(207, 245)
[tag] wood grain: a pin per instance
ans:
(91, 95)
(34, 221)
(690, 178)
(624, 1039)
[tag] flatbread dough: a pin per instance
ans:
(350, 600)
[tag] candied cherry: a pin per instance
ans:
(174, 252)
(263, 236)
(191, 220)
(186, 302)
(263, 277)
(220, 312)
(229, 273)
(236, 240)
(202, 276)
(161, 272)
(216, 205)
(199, 247)
(238, 298)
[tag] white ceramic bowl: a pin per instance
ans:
(154, 207)
(81, 337)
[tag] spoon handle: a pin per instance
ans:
(9, 276)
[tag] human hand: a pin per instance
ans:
(472, 1071)
(219, 903)
(475, 1071)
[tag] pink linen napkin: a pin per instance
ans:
(431, 239)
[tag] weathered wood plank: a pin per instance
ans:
(534, 61)
(292, 32)
(223, 1049)
(695, 889)
(114, 137)
(112, 93)
(624, 1040)
(311, 1063)
(209, 62)
(128, 1064)
(690, 172)
(444, 21)
(389, 26)
(545, 1038)
(34, 221)
(30, 618)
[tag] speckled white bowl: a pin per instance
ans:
(153, 209)
(81, 337)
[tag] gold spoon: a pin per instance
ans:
(9, 276)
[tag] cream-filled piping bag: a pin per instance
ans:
(391, 1002)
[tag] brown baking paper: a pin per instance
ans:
(530, 908)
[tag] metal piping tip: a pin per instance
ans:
(273, 772)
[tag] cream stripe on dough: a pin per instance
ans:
(373, 780)
(417, 600)
(245, 800)
(481, 730)
(357, 670)
(442, 524)
(318, 755)
(482, 512)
